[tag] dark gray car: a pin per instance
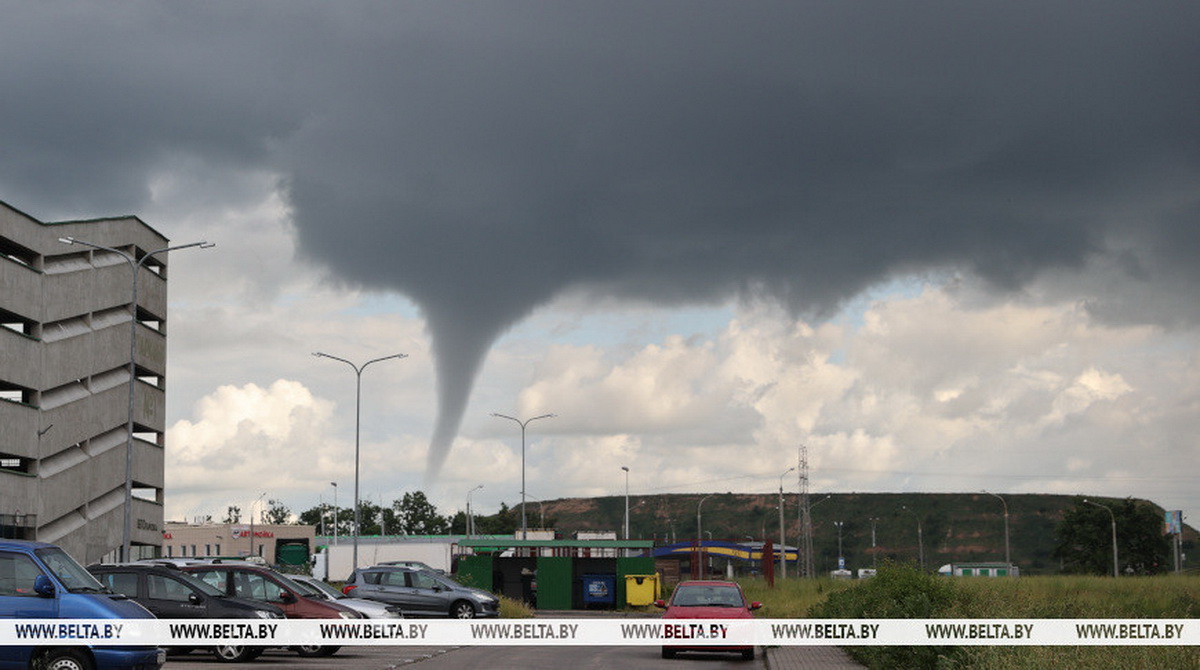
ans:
(421, 593)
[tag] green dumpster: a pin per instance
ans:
(641, 590)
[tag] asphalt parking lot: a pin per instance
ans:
(347, 658)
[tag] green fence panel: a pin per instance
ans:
(554, 581)
(476, 571)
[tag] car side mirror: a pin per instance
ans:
(43, 586)
(660, 603)
(755, 605)
(194, 599)
(287, 598)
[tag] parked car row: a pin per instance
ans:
(40, 581)
(170, 593)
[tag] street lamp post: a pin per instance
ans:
(874, 557)
(699, 534)
(470, 514)
(1112, 516)
(260, 497)
(841, 560)
(806, 534)
(541, 509)
(522, 424)
(358, 370)
(135, 265)
(626, 469)
(782, 531)
(1007, 556)
(920, 538)
(335, 514)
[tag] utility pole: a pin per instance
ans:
(782, 532)
(807, 569)
(874, 557)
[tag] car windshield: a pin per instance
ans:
(706, 595)
(300, 587)
(71, 574)
(325, 589)
(203, 586)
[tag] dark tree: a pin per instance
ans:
(504, 522)
(313, 517)
(276, 512)
(415, 515)
(1085, 539)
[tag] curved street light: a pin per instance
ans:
(920, 538)
(1007, 556)
(626, 469)
(470, 514)
(699, 534)
(782, 531)
(874, 558)
(522, 424)
(135, 264)
(358, 370)
(1112, 516)
(256, 502)
(335, 513)
(841, 559)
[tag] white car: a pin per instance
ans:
(372, 609)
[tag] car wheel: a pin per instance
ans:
(748, 654)
(308, 650)
(462, 609)
(668, 653)
(315, 651)
(235, 654)
(65, 659)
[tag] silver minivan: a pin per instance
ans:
(421, 593)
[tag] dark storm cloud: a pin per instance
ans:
(483, 158)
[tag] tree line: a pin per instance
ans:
(411, 514)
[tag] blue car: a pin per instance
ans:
(40, 581)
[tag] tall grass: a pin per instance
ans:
(905, 592)
(511, 608)
(791, 598)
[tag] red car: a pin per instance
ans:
(708, 600)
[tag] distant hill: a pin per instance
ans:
(955, 526)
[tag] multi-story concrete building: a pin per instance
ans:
(64, 384)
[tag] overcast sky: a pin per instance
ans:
(948, 246)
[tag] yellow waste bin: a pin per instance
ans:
(641, 590)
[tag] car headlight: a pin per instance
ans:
(264, 614)
(350, 615)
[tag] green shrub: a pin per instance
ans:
(514, 609)
(896, 592)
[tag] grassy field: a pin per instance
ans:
(903, 592)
